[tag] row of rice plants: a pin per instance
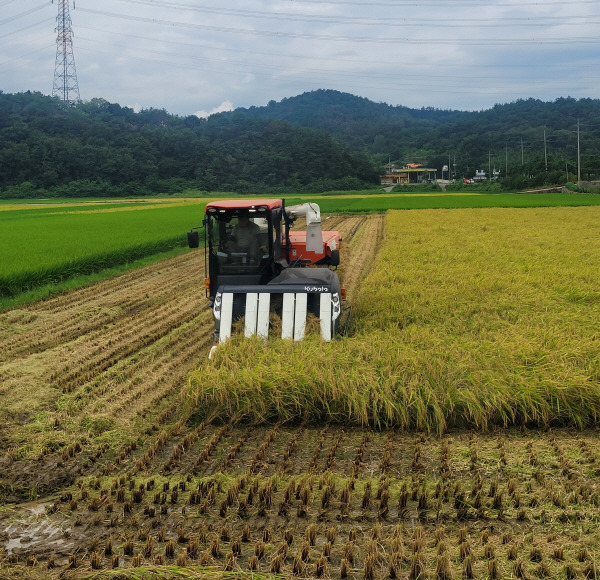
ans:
(248, 523)
(468, 318)
(474, 506)
(47, 248)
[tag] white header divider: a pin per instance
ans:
(293, 316)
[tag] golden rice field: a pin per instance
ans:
(468, 318)
(452, 435)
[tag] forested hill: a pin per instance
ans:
(535, 140)
(355, 120)
(316, 141)
(98, 148)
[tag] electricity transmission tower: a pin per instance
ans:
(65, 76)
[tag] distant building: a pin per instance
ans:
(411, 173)
(481, 175)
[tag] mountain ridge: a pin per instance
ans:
(315, 141)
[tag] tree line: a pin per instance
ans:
(99, 148)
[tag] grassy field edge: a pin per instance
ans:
(17, 283)
(48, 290)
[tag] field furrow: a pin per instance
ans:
(101, 354)
(446, 499)
(163, 372)
(185, 343)
(156, 278)
(89, 314)
(363, 240)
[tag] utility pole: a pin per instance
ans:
(522, 156)
(578, 157)
(545, 151)
(490, 166)
(65, 86)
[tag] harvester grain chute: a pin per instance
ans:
(257, 265)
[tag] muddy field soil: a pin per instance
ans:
(314, 502)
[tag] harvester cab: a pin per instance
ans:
(258, 266)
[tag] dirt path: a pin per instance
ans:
(362, 243)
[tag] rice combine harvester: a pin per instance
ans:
(257, 266)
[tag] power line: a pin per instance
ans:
(432, 80)
(12, 60)
(26, 13)
(475, 3)
(337, 59)
(294, 52)
(361, 39)
(388, 21)
(209, 65)
(13, 32)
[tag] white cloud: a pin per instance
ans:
(222, 108)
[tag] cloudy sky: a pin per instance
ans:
(201, 56)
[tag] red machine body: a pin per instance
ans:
(298, 250)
